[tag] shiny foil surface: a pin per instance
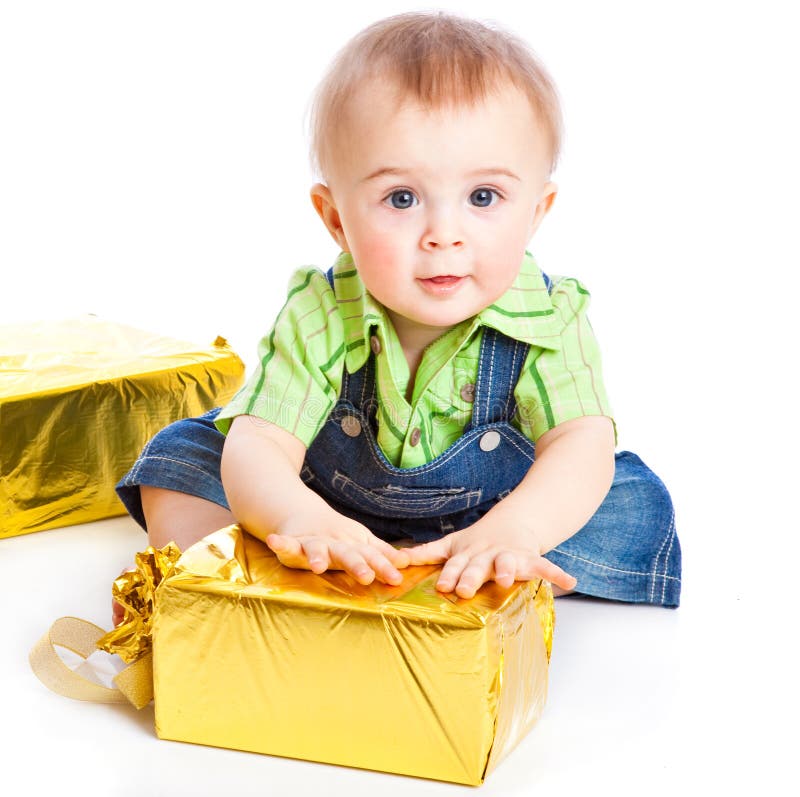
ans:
(251, 655)
(135, 592)
(78, 401)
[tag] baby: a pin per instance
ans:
(434, 389)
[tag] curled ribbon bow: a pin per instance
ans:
(134, 590)
(131, 640)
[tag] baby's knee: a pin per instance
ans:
(180, 517)
(632, 473)
(645, 531)
(631, 525)
(639, 501)
(192, 432)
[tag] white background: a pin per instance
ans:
(154, 171)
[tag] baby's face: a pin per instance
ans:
(437, 208)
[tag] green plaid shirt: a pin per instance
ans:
(320, 330)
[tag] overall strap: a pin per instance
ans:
(499, 367)
(359, 388)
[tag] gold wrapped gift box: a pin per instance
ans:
(78, 401)
(251, 655)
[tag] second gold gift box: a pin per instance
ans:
(79, 399)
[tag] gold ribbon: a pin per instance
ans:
(134, 684)
(132, 639)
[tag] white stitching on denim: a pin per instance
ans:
(512, 385)
(138, 464)
(608, 567)
(402, 489)
(181, 462)
(404, 498)
(508, 392)
(373, 399)
(477, 403)
(490, 392)
(519, 448)
(667, 538)
(345, 382)
(364, 376)
(517, 372)
(666, 558)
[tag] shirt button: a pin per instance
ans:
(468, 392)
(351, 426)
(375, 344)
(490, 440)
(415, 436)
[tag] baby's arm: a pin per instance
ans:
(567, 482)
(261, 463)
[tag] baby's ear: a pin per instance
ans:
(546, 200)
(549, 193)
(324, 204)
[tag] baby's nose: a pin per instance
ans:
(432, 243)
(442, 239)
(444, 229)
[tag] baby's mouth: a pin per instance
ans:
(444, 284)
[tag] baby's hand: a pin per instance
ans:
(335, 542)
(483, 552)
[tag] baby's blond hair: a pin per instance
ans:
(437, 59)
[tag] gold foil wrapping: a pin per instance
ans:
(135, 592)
(78, 401)
(251, 655)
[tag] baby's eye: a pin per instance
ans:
(401, 199)
(482, 197)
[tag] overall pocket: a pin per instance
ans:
(396, 500)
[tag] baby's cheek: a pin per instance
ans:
(379, 260)
(379, 252)
(387, 238)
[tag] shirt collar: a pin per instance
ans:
(524, 312)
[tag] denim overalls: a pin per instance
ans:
(628, 550)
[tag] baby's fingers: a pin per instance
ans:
(539, 567)
(505, 569)
(477, 572)
(346, 556)
(382, 565)
(317, 555)
(312, 554)
(464, 573)
(429, 553)
(398, 557)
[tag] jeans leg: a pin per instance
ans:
(628, 551)
(184, 456)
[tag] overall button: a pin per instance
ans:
(351, 426)
(468, 392)
(415, 436)
(490, 440)
(375, 344)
